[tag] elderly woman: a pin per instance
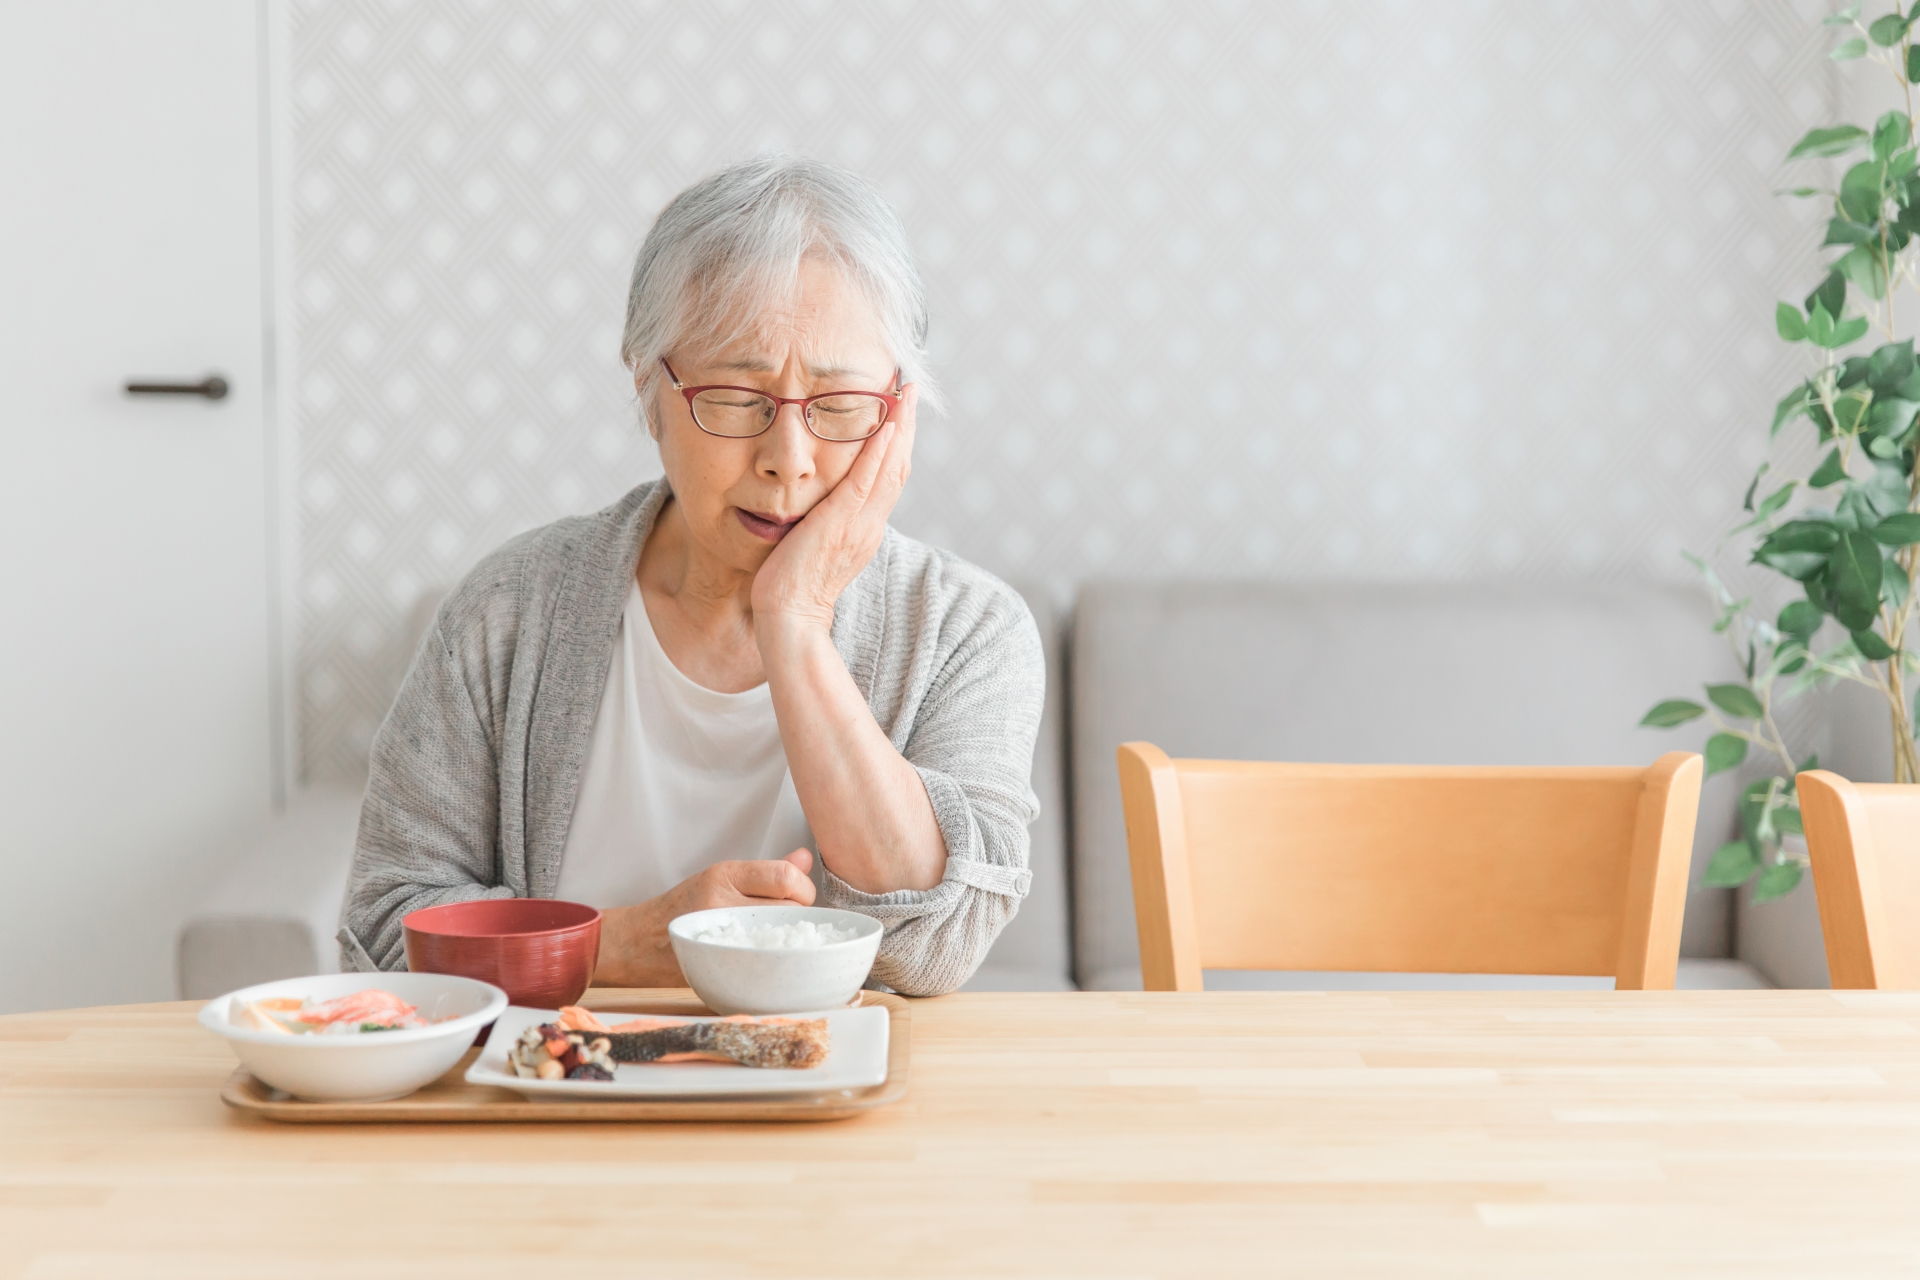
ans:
(736, 685)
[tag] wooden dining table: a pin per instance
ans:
(1474, 1134)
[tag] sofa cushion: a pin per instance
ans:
(1381, 674)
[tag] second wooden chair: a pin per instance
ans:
(1241, 865)
(1864, 840)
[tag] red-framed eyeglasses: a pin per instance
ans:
(740, 413)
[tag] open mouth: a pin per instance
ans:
(763, 526)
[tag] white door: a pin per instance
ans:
(134, 734)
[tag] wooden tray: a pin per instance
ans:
(450, 1099)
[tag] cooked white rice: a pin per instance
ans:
(775, 937)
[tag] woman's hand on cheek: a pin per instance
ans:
(813, 564)
(634, 948)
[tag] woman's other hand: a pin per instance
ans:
(816, 560)
(634, 948)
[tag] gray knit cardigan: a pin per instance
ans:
(475, 769)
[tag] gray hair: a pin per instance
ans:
(729, 248)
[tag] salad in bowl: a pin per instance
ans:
(353, 1037)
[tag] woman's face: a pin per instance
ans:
(739, 497)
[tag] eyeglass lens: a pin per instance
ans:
(739, 413)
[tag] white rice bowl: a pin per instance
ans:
(775, 959)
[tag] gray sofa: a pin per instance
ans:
(1461, 674)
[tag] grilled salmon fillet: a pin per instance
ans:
(751, 1042)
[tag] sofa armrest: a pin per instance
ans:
(275, 909)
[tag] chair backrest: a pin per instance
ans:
(1454, 673)
(1391, 868)
(1864, 841)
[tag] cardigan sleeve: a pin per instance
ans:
(972, 744)
(428, 827)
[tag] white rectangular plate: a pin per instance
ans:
(856, 1059)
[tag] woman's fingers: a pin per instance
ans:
(866, 470)
(776, 879)
(899, 464)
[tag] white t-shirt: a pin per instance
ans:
(677, 778)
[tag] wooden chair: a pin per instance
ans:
(1865, 845)
(1391, 868)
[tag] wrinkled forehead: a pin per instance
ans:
(751, 323)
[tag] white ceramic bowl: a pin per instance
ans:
(767, 980)
(372, 1066)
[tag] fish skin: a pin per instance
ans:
(786, 1043)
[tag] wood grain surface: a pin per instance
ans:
(1641, 1134)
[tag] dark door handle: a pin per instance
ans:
(213, 387)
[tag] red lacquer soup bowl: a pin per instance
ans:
(540, 952)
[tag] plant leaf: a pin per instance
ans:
(1801, 618)
(1830, 471)
(1862, 191)
(1841, 17)
(1913, 63)
(1886, 489)
(1848, 50)
(1802, 535)
(1777, 881)
(1820, 317)
(1774, 501)
(1854, 571)
(1889, 416)
(1724, 751)
(1836, 141)
(1791, 324)
(1890, 132)
(1847, 231)
(1842, 333)
(1899, 529)
(1894, 584)
(1786, 819)
(1886, 31)
(1732, 865)
(1735, 700)
(1791, 405)
(1851, 406)
(1864, 269)
(1673, 711)
(1871, 646)
(1798, 565)
(1831, 294)
(1889, 366)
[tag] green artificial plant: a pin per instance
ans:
(1846, 533)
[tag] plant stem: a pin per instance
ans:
(1906, 755)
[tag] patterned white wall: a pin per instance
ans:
(1376, 290)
